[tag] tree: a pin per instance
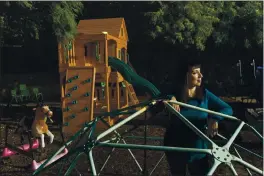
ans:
(27, 22)
(26, 19)
(192, 23)
(64, 15)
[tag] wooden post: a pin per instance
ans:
(117, 94)
(62, 86)
(69, 54)
(107, 100)
(62, 72)
(73, 53)
(105, 53)
(107, 74)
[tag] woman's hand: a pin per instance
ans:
(212, 127)
(175, 106)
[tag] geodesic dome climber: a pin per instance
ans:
(88, 140)
(220, 154)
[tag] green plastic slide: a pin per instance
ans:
(133, 78)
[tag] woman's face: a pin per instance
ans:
(194, 77)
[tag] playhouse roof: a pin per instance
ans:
(97, 26)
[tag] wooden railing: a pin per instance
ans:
(67, 55)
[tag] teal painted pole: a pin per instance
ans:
(151, 147)
(204, 110)
(116, 112)
(93, 128)
(73, 164)
(141, 137)
(113, 128)
(73, 151)
(84, 129)
(189, 124)
(90, 156)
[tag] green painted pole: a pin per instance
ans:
(190, 125)
(73, 164)
(141, 137)
(84, 129)
(113, 128)
(59, 160)
(150, 147)
(204, 110)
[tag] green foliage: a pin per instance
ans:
(26, 19)
(17, 23)
(241, 23)
(64, 15)
(194, 22)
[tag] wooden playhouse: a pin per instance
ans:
(88, 84)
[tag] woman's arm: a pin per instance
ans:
(216, 104)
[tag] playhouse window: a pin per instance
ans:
(103, 94)
(113, 93)
(123, 54)
(96, 48)
(98, 94)
(119, 53)
(85, 50)
(99, 48)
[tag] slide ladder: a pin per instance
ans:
(131, 93)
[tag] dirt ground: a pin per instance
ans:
(121, 163)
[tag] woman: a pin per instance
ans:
(179, 135)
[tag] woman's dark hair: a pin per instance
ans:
(189, 63)
(183, 68)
